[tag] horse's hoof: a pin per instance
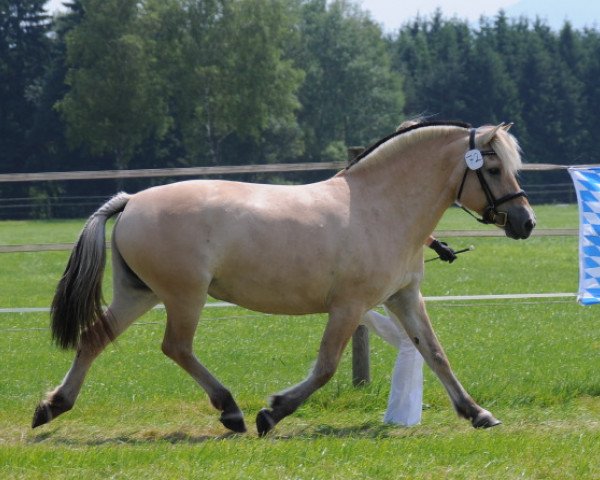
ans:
(233, 421)
(485, 420)
(50, 408)
(41, 415)
(264, 422)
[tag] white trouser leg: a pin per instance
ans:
(405, 402)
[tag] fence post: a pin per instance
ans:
(360, 340)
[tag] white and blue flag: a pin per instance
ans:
(587, 186)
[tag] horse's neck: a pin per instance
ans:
(413, 186)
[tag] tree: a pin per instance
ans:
(434, 56)
(350, 95)
(24, 49)
(590, 147)
(115, 101)
(492, 94)
(551, 100)
(47, 126)
(233, 79)
(413, 59)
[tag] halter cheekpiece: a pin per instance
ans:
(474, 161)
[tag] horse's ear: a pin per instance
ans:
(487, 136)
(506, 126)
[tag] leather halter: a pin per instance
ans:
(491, 214)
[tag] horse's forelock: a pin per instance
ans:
(507, 148)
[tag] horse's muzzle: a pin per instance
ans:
(520, 222)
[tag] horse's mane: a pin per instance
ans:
(401, 131)
(504, 144)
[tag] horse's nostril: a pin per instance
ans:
(529, 225)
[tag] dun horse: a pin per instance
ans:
(341, 247)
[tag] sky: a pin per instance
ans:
(392, 14)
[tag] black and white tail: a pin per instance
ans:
(77, 303)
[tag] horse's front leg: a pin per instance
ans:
(409, 307)
(342, 323)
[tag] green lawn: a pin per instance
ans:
(534, 364)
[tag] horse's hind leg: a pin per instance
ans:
(131, 299)
(409, 307)
(182, 320)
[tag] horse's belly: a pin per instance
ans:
(269, 295)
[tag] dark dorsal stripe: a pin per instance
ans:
(406, 130)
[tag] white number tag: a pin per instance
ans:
(474, 159)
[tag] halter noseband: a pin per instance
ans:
(491, 214)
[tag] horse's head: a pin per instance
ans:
(489, 185)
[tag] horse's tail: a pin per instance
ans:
(77, 303)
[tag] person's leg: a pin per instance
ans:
(384, 326)
(405, 402)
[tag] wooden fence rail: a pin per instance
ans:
(171, 172)
(218, 170)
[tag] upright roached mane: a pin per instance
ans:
(505, 145)
(339, 247)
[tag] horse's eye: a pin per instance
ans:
(494, 171)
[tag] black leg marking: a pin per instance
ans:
(231, 416)
(233, 421)
(264, 422)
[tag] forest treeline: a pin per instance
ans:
(157, 83)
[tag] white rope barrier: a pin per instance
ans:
(540, 232)
(445, 298)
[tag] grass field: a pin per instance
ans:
(534, 364)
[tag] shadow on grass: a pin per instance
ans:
(365, 430)
(130, 439)
(369, 430)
